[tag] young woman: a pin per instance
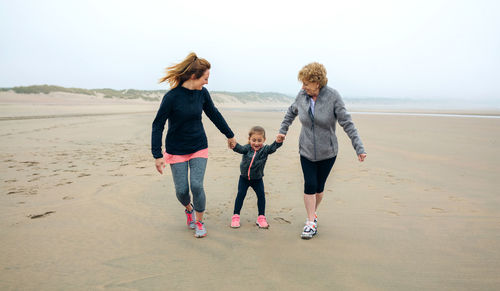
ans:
(186, 147)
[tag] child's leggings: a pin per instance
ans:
(197, 168)
(258, 186)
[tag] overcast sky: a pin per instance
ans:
(380, 48)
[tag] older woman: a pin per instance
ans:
(319, 107)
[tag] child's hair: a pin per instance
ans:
(181, 72)
(257, 129)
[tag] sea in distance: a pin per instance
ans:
(481, 108)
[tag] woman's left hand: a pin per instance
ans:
(361, 157)
(231, 143)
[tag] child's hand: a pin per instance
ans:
(280, 138)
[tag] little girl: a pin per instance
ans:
(252, 169)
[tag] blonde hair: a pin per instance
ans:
(256, 130)
(314, 73)
(181, 72)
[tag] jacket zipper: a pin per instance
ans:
(249, 167)
(312, 128)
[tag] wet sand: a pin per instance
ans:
(83, 208)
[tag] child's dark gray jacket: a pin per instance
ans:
(253, 162)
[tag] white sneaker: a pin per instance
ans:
(310, 230)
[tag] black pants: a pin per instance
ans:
(258, 186)
(315, 174)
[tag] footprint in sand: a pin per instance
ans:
(30, 163)
(22, 190)
(392, 213)
(452, 198)
(438, 210)
(286, 209)
(40, 215)
(433, 189)
(339, 201)
(282, 220)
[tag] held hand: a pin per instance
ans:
(361, 157)
(280, 138)
(160, 164)
(231, 143)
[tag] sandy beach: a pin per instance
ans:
(83, 208)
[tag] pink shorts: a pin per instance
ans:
(174, 159)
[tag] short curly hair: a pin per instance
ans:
(314, 73)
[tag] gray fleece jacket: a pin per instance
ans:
(317, 137)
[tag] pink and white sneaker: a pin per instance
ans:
(190, 218)
(235, 221)
(262, 222)
(200, 230)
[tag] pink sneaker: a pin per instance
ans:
(262, 222)
(190, 217)
(235, 221)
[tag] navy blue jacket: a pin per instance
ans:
(185, 135)
(252, 163)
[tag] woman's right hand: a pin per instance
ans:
(160, 164)
(280, 138)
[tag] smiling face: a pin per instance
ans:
(311, 88)
(203, 80)
(256, 141)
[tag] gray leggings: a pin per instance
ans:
(197, 168)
